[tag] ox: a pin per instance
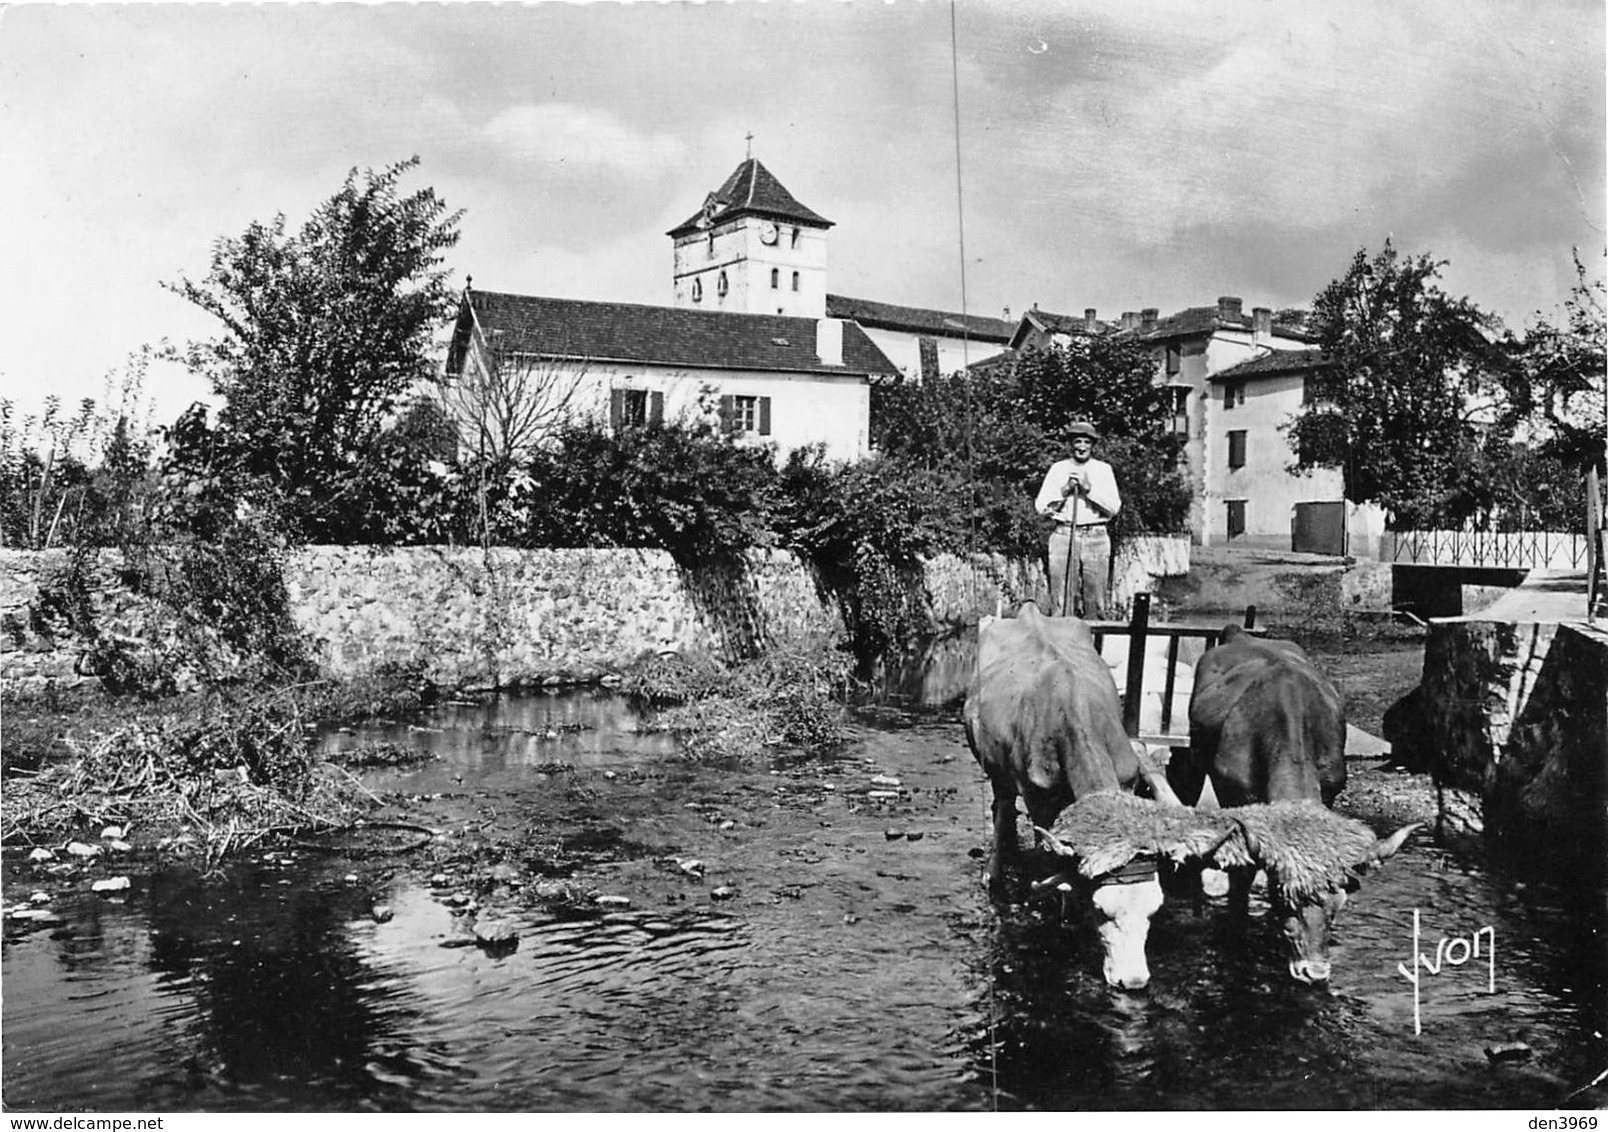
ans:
(1043, 719)
(1266, 726)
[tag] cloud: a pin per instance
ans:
(561, 137)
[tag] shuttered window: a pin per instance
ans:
(1236, 517)
(745, 415)
(929, 358)
(635, 408)
(1236, 448)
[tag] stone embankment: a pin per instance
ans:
(1512, 720)
(474, 619)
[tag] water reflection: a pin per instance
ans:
(579, 728)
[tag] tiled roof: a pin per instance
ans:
(1049, 322)
(751, 190)
(671, 336)
(1193, 321)
(919, 320)
(1275, 362)
(1058, 323)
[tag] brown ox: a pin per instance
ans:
(1044, 721)
(1266, 726)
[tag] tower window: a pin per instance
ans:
(795, 280)
(776, 279)
(720, 285)
(697, 290)
(711, 246)
(795, 237)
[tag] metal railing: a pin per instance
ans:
(1505, 550)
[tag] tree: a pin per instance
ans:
(1418, 394)
(981, 439)
(1568, 375)
(325, 330)
(504, 408)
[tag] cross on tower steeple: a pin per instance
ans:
(750, 139)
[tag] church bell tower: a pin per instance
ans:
(752, 249)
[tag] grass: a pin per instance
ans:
(210, 772)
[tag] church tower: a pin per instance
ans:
(752, 249)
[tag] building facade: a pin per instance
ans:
(764, 379)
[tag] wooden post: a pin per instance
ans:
(1133, 687)
(1250, 616)
(1595, 545)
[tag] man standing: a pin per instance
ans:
(1080, 493)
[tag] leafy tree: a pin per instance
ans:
(1418, 394)
(1108, 379)
(325, 330)
(983, 439)
(1568, 375)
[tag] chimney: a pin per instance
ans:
(1228, 309)
(1007, 315)
(829, 341)
(1090, 323)
(1148, 317)
(1261, 324)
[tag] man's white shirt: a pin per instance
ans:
(1096, 476)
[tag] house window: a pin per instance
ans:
(697, 290)
(1236, 448)
(929, 358)
(742, 414)
(776, 279)
(720, 285)
(1180, 410)
(1174, 361)
(635, 408)
(1236, 517)
(795, 280)
(1233, 394)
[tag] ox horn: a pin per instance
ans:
(1253, 850)
(1055, 843)
(1153, 770)
(1382, 851)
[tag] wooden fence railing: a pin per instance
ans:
(1139, 631)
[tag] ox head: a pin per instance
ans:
(1306, 916)
(1124, 900)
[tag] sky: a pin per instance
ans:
(1152, 153)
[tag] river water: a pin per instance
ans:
(834, 950)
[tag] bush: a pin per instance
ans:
(864, 528)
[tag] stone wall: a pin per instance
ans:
(476, 619)
(1513, 720)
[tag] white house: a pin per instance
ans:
(769, 378)
(1236, 383)
(921, 342)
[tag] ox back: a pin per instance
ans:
(1042, 714)
(1265, 724)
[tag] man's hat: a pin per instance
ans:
(1083, 428)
